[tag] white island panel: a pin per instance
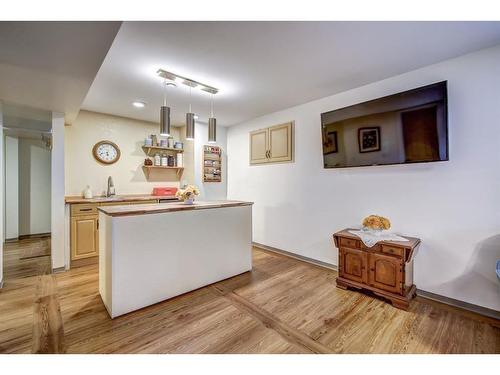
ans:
(153, 257)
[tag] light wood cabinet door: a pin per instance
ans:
(272, 145)
(84, 237)
(353, 265)
(258, 146)
(280, 143)
(386, 272)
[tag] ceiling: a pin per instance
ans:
(51, 65)
(262, 67)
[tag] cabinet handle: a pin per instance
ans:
(97, 224)
(85, 209)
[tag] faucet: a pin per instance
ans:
(111, 188)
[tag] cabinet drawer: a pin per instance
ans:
(83, 209)
(375, 247)
(392, 250)
(347, 242)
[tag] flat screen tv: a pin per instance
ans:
(408, 127)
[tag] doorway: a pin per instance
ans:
(27, 191)
(420, 134)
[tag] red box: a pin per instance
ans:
(164, 191)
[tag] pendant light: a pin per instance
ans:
(190, 120)
(165, 113)
(212, 123)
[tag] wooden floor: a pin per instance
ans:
(26, 257)
(282, 306)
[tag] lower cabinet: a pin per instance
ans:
(386, 272)
(84, 237)
(353, 264)
(386, 268)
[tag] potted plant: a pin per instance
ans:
(188, 194)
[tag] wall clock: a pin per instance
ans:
(106, 152)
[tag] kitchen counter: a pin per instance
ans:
(144, 209)
(149, 253)
(117, 198)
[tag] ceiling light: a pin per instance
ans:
(186, 81)
(212, 123)
(165, 113)
(190, 120)
(138, 104)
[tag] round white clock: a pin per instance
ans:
(106, 152)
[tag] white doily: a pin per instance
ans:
(370, 238)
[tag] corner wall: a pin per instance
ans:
(454, 207)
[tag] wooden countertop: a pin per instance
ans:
(145, 209)
(117, 198)
(412, 241)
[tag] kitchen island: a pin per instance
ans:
(152, 252)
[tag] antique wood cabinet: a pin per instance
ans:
(386, 269)
(272, 145)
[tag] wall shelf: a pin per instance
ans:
(152, 150)
(212, 163)
(148, 168)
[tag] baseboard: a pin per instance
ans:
(490, 313)
(59, 269)
(315, 262)
(37, 235)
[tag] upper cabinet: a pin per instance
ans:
(272, 145)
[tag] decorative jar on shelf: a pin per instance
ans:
(157, 160)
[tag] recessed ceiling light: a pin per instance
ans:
(138, 104)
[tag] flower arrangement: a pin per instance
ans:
(188, 194)
(375, 222)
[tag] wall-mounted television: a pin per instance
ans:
(408, 127)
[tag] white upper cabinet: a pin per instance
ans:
(272, 145)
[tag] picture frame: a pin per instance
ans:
(369, 139)
(330, 143)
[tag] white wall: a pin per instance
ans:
(209, 190)
(11, 187)
(2, 195)
(454, 207)
(59, 223)
(82, 169)
(34, 187)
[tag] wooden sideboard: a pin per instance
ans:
(386, 268)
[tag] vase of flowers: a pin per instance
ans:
(376, 224)
(188, 194)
